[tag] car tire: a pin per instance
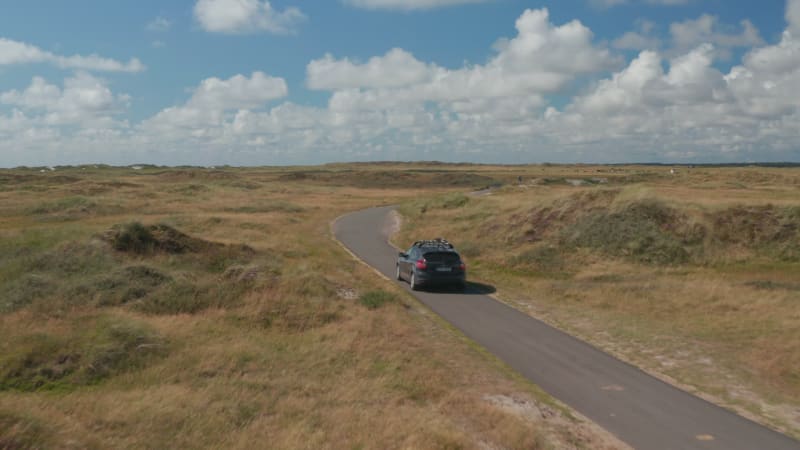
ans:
(413, 282)
(397, 274)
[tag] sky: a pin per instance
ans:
(284, 82)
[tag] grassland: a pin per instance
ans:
(691, 274)
(198, 308)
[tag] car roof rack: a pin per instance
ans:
(438, 243)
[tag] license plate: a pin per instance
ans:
(443, 269)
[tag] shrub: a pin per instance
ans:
(376, 299)
(636, 232)
(135, 238)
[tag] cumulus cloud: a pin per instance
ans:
(15, 52)
(541, 59)
(407, 5)
(707, 29)
(640, 39)
(395, 69)
(663, 105)
(238, 92)
(793, 16)
(245, 16)
(214, 96)
(84, 100)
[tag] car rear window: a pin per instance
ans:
(442, 257)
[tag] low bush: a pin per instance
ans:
(135, 238)
(637, 232)
(376, 299)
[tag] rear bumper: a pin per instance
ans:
(434, 278)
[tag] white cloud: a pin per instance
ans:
(767, 82)
(213, 97)
(640, 39)
(707, 30)
(408, 5)
(395, 69)
(84, 100)
(238, 92)
(664, 105)
(541, 59)
(793, 16)
(245, 16)
(15, 52)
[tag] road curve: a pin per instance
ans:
(639, 409)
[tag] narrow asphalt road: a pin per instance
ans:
(639, 409)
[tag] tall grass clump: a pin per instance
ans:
(91, 351)
(376, 299)
(21, 432)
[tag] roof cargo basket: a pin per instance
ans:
(438, 243)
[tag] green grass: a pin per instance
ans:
(90, 351)
(271, 207)
(376, 299)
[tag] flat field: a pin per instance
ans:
(157, 307)
(691, 273)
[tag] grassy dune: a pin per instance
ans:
(197, 308)
(691, 275)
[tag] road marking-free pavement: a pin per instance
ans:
(639, 409)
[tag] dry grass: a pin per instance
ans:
(199, 308)
(691, 276)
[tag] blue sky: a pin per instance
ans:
(252, 82)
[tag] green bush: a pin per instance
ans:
(136, 238)
(636, 232)
(376, 299)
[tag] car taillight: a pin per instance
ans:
(462, 266)
(422, 264)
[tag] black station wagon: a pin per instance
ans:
(431, 262)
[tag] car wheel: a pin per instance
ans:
(413, 282)
(397, 274)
